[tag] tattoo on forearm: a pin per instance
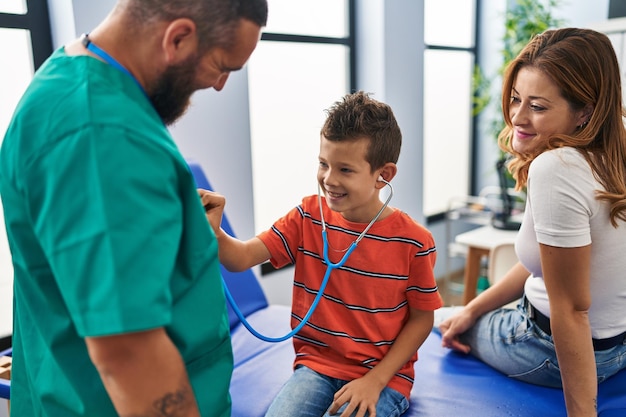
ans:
(172, 404)
(595, 403)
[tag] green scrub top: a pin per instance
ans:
(108, 236)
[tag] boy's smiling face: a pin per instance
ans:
(347, 180)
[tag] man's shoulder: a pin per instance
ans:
(75, 95)
(85, 88)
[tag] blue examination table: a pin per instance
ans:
(447, 384)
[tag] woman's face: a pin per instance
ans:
(538, 111)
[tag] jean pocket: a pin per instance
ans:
(391, 403)
(610, 362)
(547, 374)
(522, 329)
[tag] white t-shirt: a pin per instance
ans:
(562, 211)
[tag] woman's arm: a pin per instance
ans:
(509, 288)
(566, 275)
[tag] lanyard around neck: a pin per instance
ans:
(92, 47)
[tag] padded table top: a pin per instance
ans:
(446, 383)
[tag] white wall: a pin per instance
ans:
(390, 50)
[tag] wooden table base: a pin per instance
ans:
(472, 270)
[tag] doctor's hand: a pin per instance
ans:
(214, 207)
(455, 326)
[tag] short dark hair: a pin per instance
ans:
(358, 116)
(216, 20)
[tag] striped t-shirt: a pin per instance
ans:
(366, 302)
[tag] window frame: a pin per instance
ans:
(37, 21)
(472, 176)
(349, 41)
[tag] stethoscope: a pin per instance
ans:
(330, 266)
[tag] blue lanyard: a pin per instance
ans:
(87, 43)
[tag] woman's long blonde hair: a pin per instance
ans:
(583, 65)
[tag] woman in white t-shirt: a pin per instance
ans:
(564, 130)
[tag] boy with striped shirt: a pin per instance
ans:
(356, 353)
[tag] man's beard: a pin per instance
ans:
(172, 91)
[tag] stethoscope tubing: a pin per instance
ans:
(330, 266)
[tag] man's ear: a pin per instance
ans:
(180, 40)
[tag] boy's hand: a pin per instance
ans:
(361, 394)
(214, 206)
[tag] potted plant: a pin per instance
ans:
(523, 20)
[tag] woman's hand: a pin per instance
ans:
(509, 288)
(455, 326)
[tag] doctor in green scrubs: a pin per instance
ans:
(118, 305)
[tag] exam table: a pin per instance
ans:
(447, 384)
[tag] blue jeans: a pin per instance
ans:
(310, 394)
(509, 341)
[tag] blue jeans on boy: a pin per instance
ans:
(310, 394)
(509, 341)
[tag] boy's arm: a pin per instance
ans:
(363, 393)
(235, 255)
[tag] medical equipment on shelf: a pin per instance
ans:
(329, 268)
